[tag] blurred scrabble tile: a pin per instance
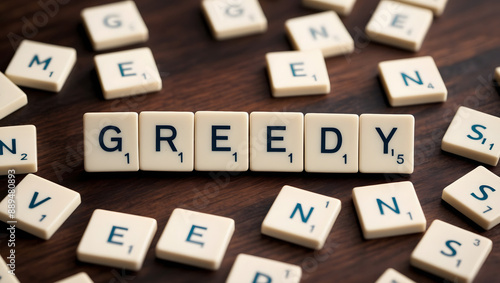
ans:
(343, 7)
(40, 65)
(18, 149)
(5, 275)
(393, 276)
(111, 141)
(497, 75)
(477, 196)
(234, 18)
(81, 277)
(114, 25)
(301, 217)
(451, 252)
(276, 141)
(475, 135)
(221, 141)
(331, 143)
(11, 97)
(127, 73)
(293, 73)
(436, 6)
(41, 206)
(412, 81)
(398, 24)
(386, 143)
(388, 210)
(249, 268)
(195, 238)
(116, 239)
(166, 141)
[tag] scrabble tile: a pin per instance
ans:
(41, 206)
(451, 252)
(114, 25)
(386, 143)
(475, 135)
(195, 238)
(81, 277)
(221, 141)
(293, 73)
(249, 268)
(127, 73)
(166, 141)
(301, 217)
(436, 6)
(477, 196)
(342, 7)
(234, 18)
(497, 75)
(400, 25)
(393, 276)
(18, 149)
(5, 275)
(387, 210)
(412, 81)
(324, 31)
(331, 143)
(11, 97)
(116, 239)
(276, 141)
(111, 142)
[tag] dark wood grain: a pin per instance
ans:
(200, 73)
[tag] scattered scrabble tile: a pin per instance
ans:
(393, 276)
(475, 135)
(276, 141)
(343, 7)
(5, 272)
(40, 65)
(230, 19)
(324, 31)
(127, 73)
(114, 25)
(331, 143)
(18, 150)
(399, 24)
(81, 277)
(301, 217)
(293, 73)
(497, 74)
(221, 141)
(387, 210)
(11, 97)
(195, 238)
(166, 141)
(436, 6)
(412, 81)
(249, 268)
(116, 239)
(111, 142)
(476, 196)
(386, 143)
(451, 252)
(41, 206)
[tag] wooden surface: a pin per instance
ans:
(200, 73)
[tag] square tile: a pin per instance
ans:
(342, 7)
(497, 75)
(393, 276)
(249, 268)
(18, 149)
(436, 6)
(195, 238)
(40, 65)
(5, 272)
(81, 277)
(11, 97)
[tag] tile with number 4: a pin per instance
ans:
(249, 268)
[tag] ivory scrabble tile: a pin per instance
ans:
(127, 73)
(398, 24)
(387, 210)
(234, 18)
(81, 277)
(116, 239)
(497, 75)
(41, 206)
(195, 238)
(301, 217)
(40, 65)
(166, 141)
(331, 143)
(393, 276)
(293, 73)
(221, 141)
(11, 97)
(436, 6)
(386, 143)
(451, 252)
(342, 7)
(477, 196)
(475, 135)
(114, 25)
(111, 142)
(276, 141)
(249, 268)
(324, 31)
(18, 149)
(412, 81)
(5, 272)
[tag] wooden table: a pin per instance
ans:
(200, 73)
